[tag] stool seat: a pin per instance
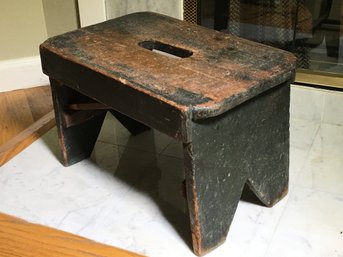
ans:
(221, 72)
(225, 98)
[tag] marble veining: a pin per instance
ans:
(333, 108)
(129, 193)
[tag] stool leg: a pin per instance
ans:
(248, 144)
(268, 175)
(213, 192)
(77, 142)
(269, 157)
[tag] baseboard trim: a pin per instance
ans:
(21, 73)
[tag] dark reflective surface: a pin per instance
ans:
(309, 28)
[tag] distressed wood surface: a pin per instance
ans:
(226, 99)
(247, 145)
(20, 238)
(221, 72)
(77, 142)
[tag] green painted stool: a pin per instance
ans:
(225, 98)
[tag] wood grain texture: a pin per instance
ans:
(215, 73)
(26, 137)
(20, 238)
(24, 116)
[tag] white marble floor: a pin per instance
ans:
(129, 194)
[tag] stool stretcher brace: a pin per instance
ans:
(225, 98)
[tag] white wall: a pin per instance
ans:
(22, 28)
(91, 11)
(60, 16)
(24, 25)
(116, 8)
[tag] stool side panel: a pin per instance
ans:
(248, 144)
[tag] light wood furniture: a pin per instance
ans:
(25, 115)
(20, 238)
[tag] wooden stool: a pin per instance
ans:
(225, 98)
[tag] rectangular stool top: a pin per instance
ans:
(215, 72)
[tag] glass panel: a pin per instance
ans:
(309, 28)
